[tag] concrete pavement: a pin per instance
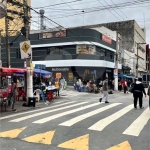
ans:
(78, 121)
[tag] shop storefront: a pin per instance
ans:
(87, 73)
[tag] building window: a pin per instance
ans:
(139, 36)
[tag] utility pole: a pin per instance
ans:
(28, 60)
(7, 40)
(149, 62)
(0, 48)
(118, 47)
(0, 56)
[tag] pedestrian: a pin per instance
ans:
(62, 83)
(57, 85)
(128, 84)
(105, 91)
(119, 86)
(148, 93)
(14, 94)
(138, 91)
(125, 86)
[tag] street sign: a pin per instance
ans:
(25, 50)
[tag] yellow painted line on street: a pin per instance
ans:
(42, 138)
(123, 146)
(79, 143)
(11, 133)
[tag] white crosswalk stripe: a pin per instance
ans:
(64, 113)
(136, 127)
(72, 93)
(10, 116)
(45, 112)
(100, 125)
(62, 109)
(84, 116)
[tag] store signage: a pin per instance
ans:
(55, 34)
(86, 49)
(108, 70)
(106, 39)
(60, 69)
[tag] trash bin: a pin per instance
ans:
(31, 101)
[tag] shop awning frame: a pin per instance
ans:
(14, 70)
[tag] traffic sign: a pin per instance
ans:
(25, 50)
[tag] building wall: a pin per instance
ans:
(140, 37)
(40, 46)
(17, 23)
(128, 60)
(106, 31)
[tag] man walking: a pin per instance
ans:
(105, 91)
(138, 91)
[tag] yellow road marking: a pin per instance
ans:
(123, 146)
(43, 138)
(11, 133)
(79, 143)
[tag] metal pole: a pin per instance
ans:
(149, 62)
(7, 42)
(0, 56)
(116, 63)
(137, 63)
(28, 60)
(0, 48)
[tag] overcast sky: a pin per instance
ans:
(62, 13)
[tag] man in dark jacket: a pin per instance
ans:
(138, 91)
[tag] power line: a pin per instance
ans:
(57, 4)
(119, 9)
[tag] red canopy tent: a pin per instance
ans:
(13, 70)
(10, 71)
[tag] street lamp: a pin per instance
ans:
(137, 65)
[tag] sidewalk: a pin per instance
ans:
(19, 107)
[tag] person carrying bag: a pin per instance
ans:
(148, 93)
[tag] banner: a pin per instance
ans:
(55, 34)
(86, 49)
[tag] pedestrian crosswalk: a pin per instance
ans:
(69, 94)
(85, 110)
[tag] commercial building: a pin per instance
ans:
(131, 35)
(84, 53)
(17, 22)
(148, 58)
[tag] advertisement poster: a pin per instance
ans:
(58, 75)
(70, 77)
(86, 49)
(55, 34)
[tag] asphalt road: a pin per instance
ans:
(77, 121)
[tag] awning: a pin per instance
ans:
(14, 70)
(124, 76)
(42, 72)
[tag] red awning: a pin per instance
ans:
(13, 70)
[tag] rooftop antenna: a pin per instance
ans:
(42, 27)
